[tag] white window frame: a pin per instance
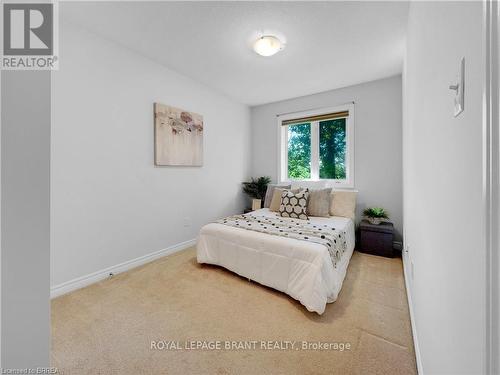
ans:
(348, 182)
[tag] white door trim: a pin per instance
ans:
(491, 165)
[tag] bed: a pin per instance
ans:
(304, 270)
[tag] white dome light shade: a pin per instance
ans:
(268, 45)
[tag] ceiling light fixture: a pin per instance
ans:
(268, 45)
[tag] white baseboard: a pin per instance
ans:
(80, 282)
(412, 320)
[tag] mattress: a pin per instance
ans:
(301, 269)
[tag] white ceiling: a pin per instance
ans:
(328, 44)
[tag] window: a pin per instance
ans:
(299, 151)
(318, 145)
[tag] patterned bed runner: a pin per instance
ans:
(333, 239)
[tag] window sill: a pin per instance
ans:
(335, 184)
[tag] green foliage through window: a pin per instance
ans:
(332, 147)
(299, 151)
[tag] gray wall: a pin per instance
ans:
(443, 187)
(378, 169)
(110, 204)
(25, 219)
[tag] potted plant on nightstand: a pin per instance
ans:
(375, 215)
(256, 189)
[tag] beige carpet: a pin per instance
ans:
(107, 328)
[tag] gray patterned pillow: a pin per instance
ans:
(319, 202)
(294, 204)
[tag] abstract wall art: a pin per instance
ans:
(178, 136)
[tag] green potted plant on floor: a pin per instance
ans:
(375, 215)
(256, 189)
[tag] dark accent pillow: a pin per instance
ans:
(294, 204)
(270, 192)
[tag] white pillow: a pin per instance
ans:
(270, 191)
(343, 203)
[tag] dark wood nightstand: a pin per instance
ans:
(376, 239)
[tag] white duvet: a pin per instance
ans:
(301, 269)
